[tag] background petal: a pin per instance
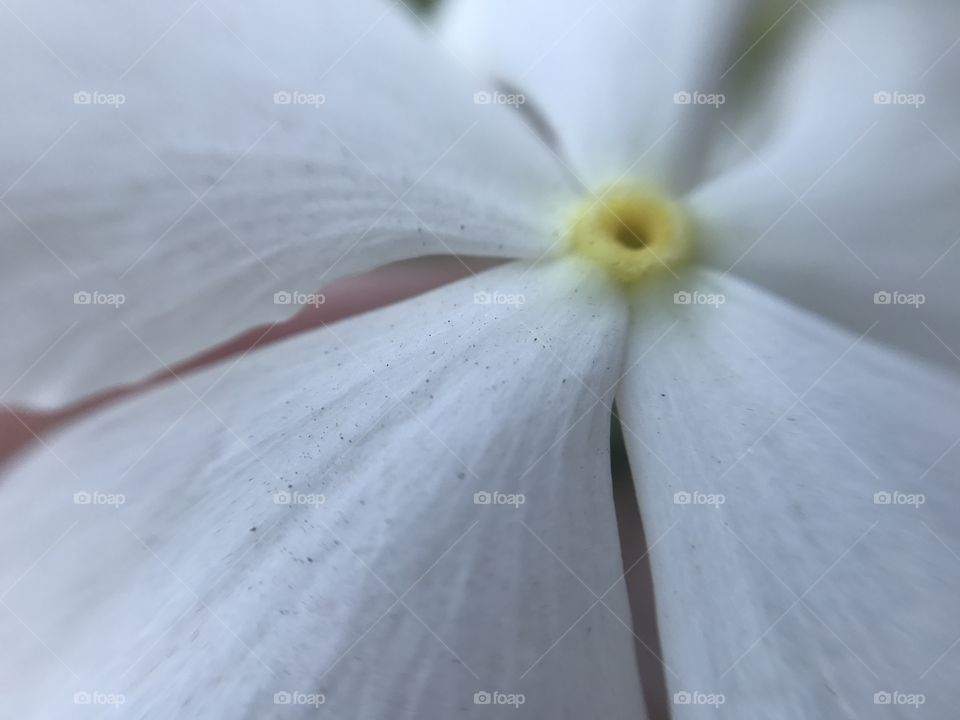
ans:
(607, 74)
(798, 487)
(851, 174)
(219, 582)
(197, 157)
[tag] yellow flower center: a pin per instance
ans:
(632, 232)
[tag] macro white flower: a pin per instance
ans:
(409, 514)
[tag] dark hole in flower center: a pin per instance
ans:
(630, 236)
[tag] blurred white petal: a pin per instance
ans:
(802, 594)
(217, 153)
(605, 74)
(842, 197)
(175, 600)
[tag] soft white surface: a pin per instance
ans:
(798, 597)
(801, 182)
(605, 74)
(839, 197)
(200, 197)
(398, 418)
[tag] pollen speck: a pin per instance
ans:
(631, 231)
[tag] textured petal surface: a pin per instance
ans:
(194, 158)
(222, 579)
(621, 81)
(850, 183)
(799, 484)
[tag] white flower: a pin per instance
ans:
(409, 514)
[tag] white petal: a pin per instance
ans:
(258, 148)
(842, 197)
(399, 596)
(605, 74)
(799, 596)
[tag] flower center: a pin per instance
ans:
(632, 232)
